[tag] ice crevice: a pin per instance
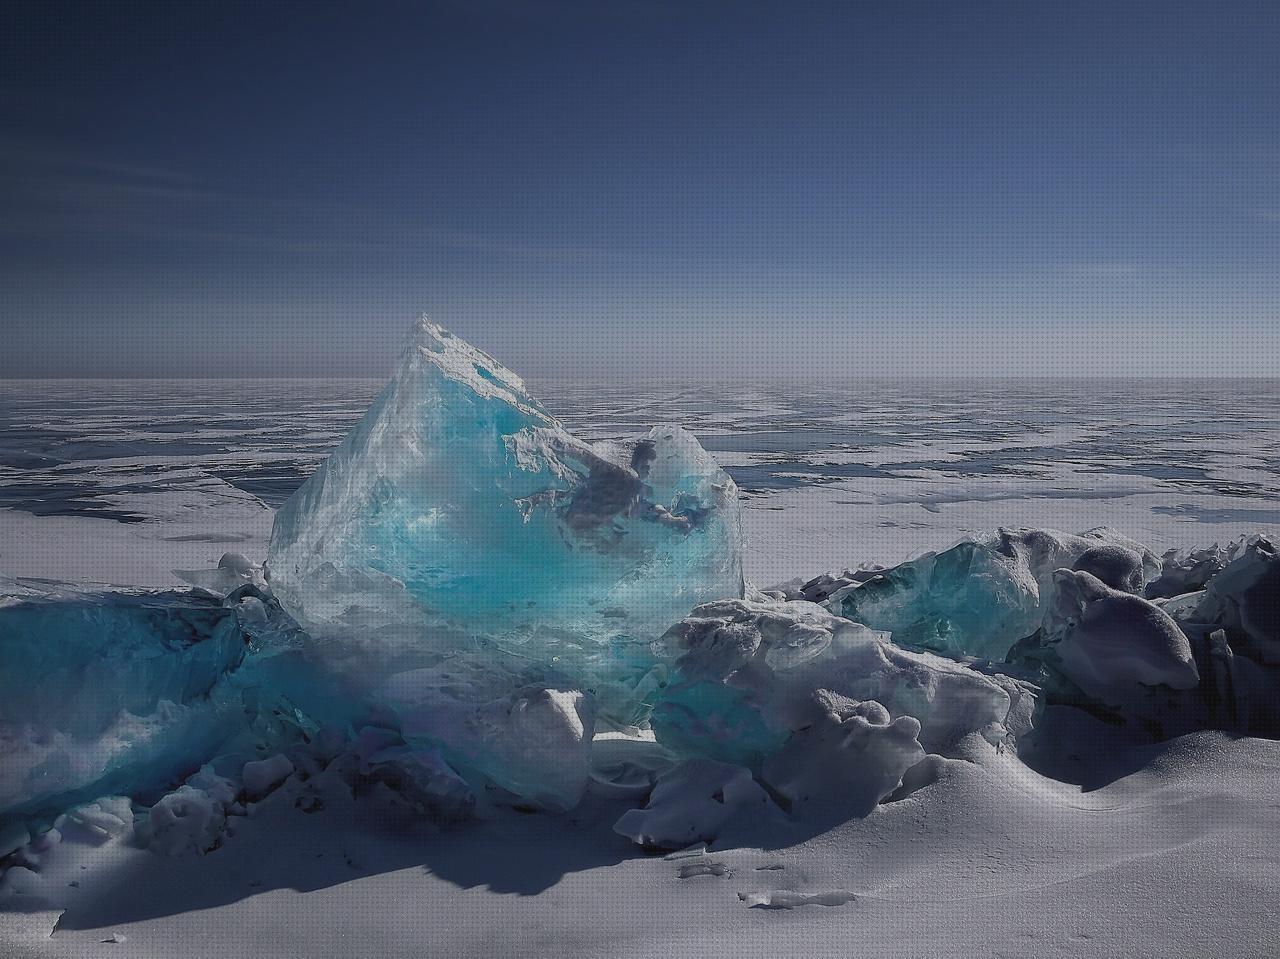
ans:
(467, 606)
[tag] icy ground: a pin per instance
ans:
(831, 474)
(1028, 743)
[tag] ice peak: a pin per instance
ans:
(463, 363)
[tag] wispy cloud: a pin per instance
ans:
(30, 155)
(56, 196)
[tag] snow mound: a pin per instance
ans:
(1109, 640)
(693, 803)
(850, 758)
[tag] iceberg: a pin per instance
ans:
(460, 516)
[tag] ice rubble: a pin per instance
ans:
(1108, 640)
(982, 596)
(475, 598)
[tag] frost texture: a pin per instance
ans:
(458, 507)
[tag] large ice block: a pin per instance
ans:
(459, 513)
(104, 692)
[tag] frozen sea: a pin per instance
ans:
(118, 481)
(1152, 849)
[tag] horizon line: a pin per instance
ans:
(816, 378)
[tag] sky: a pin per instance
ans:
(641, 188)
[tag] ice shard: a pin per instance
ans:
(459, 509)
(105, 692)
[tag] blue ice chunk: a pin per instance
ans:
(970, 600)
(109, 692)
(460, 517)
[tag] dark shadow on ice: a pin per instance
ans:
(1072, 746)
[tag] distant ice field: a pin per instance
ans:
(121, 481)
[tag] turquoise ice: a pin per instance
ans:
(459, 511)
(101, 692)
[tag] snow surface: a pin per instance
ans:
(1175, 859)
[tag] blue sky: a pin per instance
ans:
(641, 188)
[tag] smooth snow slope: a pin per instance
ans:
(1178, 859)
